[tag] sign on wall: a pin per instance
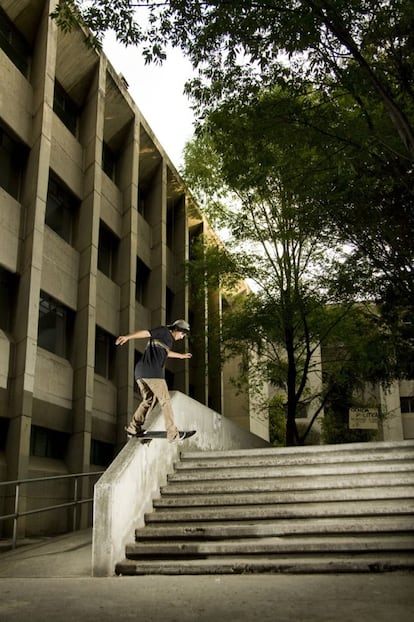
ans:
(363, 418)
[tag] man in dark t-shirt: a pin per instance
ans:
(150, 373)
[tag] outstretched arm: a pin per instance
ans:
(140, 334)
(179, 355)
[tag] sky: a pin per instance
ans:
(158, 93)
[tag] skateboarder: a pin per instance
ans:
(150, 373)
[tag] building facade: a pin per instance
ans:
(96, 227)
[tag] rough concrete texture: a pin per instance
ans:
(51, 579)
(126, 490)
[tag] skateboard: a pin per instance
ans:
(152, 434)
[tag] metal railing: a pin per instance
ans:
(75, 503)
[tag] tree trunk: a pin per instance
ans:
(291, 432)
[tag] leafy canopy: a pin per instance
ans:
(241, 46)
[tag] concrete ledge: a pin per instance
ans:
(125, 492)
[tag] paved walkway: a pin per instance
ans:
(52, 579)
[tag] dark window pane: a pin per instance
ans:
(407, 404)
(12, 163)
(169, 378)
(55, 325)
(141, 285)
(104, 353)
(65, 108)
(61, 210)
(46, 443)
(4, 429)
(169, 306)
(170, 226)
(108, 161)
(142, 203)
(14, 44)
(8, 291)
(107, 251)
(102, 453)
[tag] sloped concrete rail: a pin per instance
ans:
(125, 492)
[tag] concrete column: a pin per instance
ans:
(215, 375)
(158, 222)
(91, 132)
(34, 194)
(198, 317)
(127, 280)
(181, 368)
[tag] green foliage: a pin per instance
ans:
(322, 91)
(359, 351)
(240, 47)
(335, 429)
(277, 422)
(289, 254)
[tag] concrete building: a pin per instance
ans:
(96, 227)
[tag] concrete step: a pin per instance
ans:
(271, 545)
(286, 510)
(285, 496)
(293, 483)
(278, 527)
(382, 447)
(314, 509)
(333, 454)
(315, 564)
(285, 471)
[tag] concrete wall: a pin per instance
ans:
(125, 492)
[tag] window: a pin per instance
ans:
(104, 353)
(61, 210)
(169, 379)
(8, 292)
(107, 251)
(170, 226)
(108, 161)
(102, 453)
(4, 428)
(55, 326)
(14, 44)
(65, 108)
(137, 358)
(12, 163)
(46, 443)
(169, 306)
(407, 404)
(141, 286)
(142, 202)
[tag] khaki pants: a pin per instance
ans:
(153, 389)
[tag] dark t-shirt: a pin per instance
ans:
(152, 362)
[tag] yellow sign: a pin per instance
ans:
(363, 418)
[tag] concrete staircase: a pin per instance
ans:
(337, 508)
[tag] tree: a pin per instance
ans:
(344, 71)
(282, 321)
(352, 194)
(247, 179)
(359, 352)
(238, 42)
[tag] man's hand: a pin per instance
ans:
(121, 340)
(140, 334)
